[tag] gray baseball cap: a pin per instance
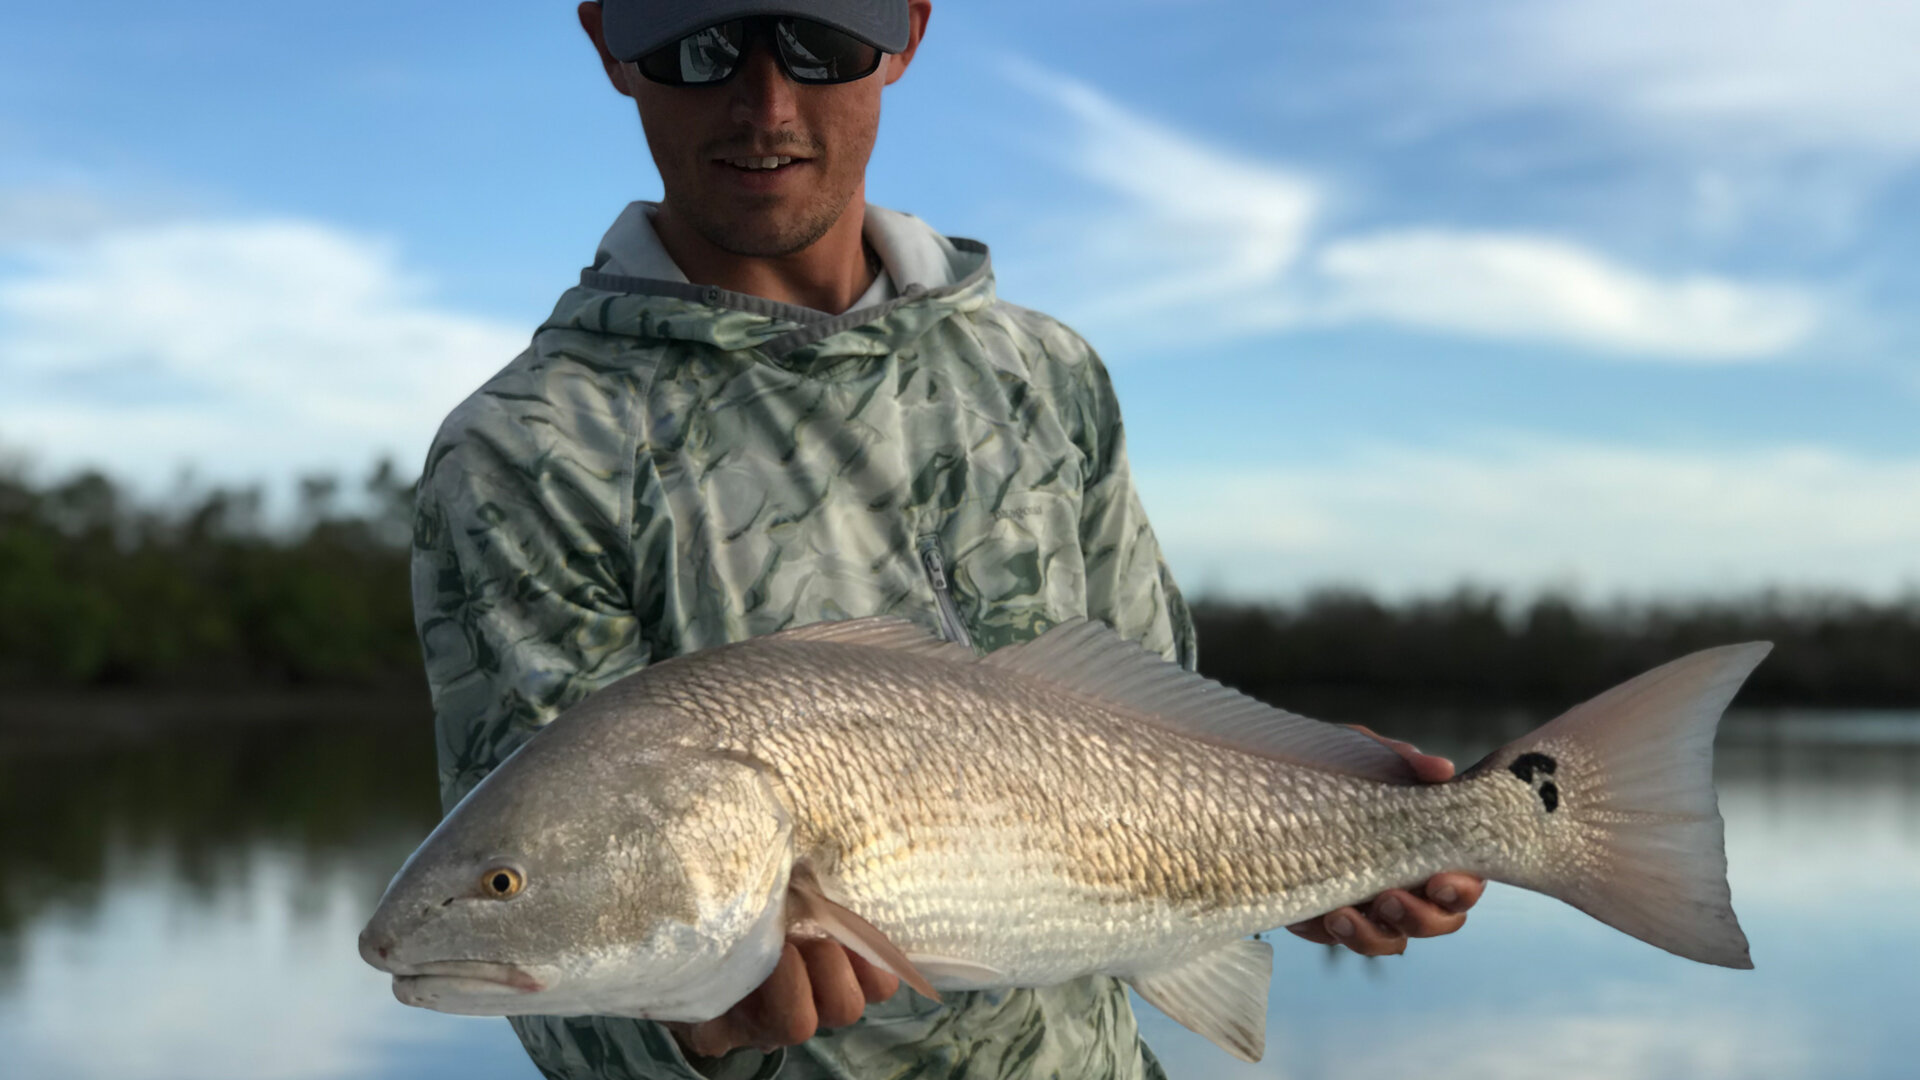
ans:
(635, 28)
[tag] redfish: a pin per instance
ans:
(1071, 806)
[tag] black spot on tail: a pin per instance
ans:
(1529, 765)
(1526, 765)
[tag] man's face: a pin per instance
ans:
(708, 143)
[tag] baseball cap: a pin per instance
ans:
(634, 28)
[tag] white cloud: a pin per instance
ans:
(1781, 74)
(41, 215)
(1529, 513)
(1533, 288)
(1205, 243)
(248, 348)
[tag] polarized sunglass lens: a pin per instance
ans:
(816, 53)
(707, 56)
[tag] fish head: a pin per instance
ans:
(648, 884)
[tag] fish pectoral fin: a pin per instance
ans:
(806, 903)
(957, 974)
(1222, 995)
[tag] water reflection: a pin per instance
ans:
(186, 905)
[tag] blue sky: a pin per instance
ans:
(1604, 295)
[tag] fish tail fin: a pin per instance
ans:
(1622, 795)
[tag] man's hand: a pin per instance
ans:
(1397, 914)
(817, 984)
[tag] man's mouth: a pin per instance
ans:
(760, 164)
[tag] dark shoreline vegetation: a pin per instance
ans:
(100, 591)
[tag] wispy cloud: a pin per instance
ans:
(1529, 513)
(1212, 220)
(51, 214)
(248, 348)
(1534, 288)
(1207, 243)
(1786, 75)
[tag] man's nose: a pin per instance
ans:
(763, 96)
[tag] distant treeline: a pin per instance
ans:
(100, 589)
(97, 589)
(1475, 646)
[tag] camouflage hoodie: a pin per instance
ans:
(670, 467)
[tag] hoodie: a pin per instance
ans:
(671, 466)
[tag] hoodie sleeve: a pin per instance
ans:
(522, 582)
(1128, 583)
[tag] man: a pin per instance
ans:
(769, 404)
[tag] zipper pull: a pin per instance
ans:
(936, 567)
(935, 564)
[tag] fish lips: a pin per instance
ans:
(462, 985)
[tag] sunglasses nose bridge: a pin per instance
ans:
(763, 95)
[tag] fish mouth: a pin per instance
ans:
(483, 976)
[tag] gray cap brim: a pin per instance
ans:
(635, 28)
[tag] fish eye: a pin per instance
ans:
(502, 883)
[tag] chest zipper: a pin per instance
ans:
(935, 564)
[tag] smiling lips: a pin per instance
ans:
(759, 163)
(761, 175)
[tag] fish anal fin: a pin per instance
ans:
(806, 903)
(1221, 995)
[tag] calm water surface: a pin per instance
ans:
(185, 906)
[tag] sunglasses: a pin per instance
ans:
(808, 52)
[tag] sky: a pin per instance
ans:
(1604, 297)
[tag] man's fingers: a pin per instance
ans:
(1346, 926)
(816, 983)
(1313, 931)
(1414, 916)
(838, 999)
(876, 983)
(1452, 891)
(780, 1012)
(713, 1038)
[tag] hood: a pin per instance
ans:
(799, 338)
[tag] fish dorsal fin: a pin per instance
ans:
(880, 632)
(1087, 659)
(808, 904)
(1221, 994)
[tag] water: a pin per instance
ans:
(184, 905)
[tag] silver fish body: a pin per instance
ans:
(1066, 807)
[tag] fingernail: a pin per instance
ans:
(1340, 926)
(1446, 894)
(1390, 909)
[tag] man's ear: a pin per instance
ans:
(918, 12)
(590, 22)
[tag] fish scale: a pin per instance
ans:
(1065, 807)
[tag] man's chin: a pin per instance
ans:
(769, 228)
